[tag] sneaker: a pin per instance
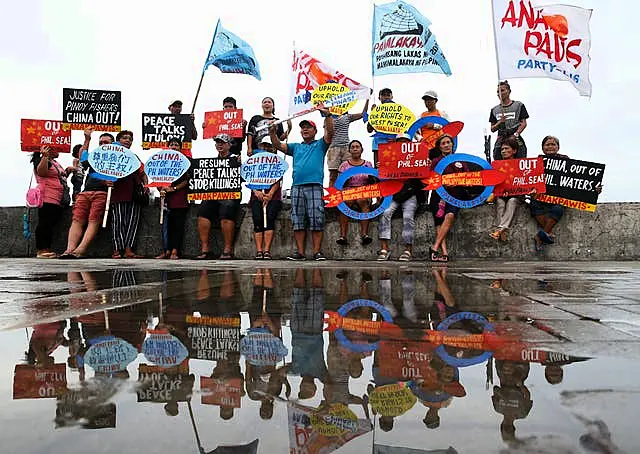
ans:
(405, 256)
(296, 256)
(383, 255)
(319, 256)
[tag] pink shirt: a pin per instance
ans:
(357, 180)
(51, 184)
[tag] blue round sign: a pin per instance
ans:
(263, 169)
(109, 354)
(261, 348)
(463, 362)
(462, 157)
(348, 307)
(344, 208)
(164, 349)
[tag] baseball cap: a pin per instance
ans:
(403, 135)
(223, 138)
(177, 102)
(430, 94)
(309, 122)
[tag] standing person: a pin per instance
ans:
(506, 206)
(307, 205)
(429, 131)
(364, 205)
(176, 109)
(509, 118)
(225, 210)
(52, 181)
(77, 172)
(385, 95)
(229, 103)
(125, 212)
(254, 138)
(407, 198)
(269, 202)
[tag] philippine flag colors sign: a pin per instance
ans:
(550, 41)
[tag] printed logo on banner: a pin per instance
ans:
(215, 179)
(166, 166)
(523, 176)
(262, 170)
(391, 118)
(113, 161)
(96, 109)
(36, 133)
(157, 129)
(213, 338)
(228, 121)
(404, 160)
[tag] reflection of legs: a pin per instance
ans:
(408, 297)
(75, 235)
(228, 232)
(204, 229)
(299, 282)
(227, 287)
(449, 219)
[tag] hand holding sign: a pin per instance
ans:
(391, 118)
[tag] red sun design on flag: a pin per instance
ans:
(558, 23)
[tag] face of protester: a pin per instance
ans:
(507, 152)
(126, 140)
(228, 106)
(550, 147)
(222, 148)
(385, 98)
(267, 147)
(105, 140)
(430, 103)
(356, 150)
(175, 146)
(177, 109)
(503, 92)
(307, 132)
(446, 146)
(267, 106)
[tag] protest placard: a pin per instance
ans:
(214, 179)
(392, 400)
(225, 392)
(36, 133)
(261, 348)
(85, 407)
(158, 384)
(404, 360)
(523, 176)
(329, 91)
(157, 129)
(571, 183)
(109, 354)
(165, 166)
(113, 161)
(403, 160)
(262, 170)
(39, 382)
(228, 121)
(164, 349)
(98, 109)
(391, 118)
(213, 338)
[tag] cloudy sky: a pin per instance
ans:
(153, 52)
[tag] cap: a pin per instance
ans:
(430, 94)
(226, 138)
(177, 102)
(403, 135)
(309, 122)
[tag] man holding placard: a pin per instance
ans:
(176, 108)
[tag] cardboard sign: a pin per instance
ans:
(157, 384)
(391, 118)
(523, 176)
(164, 349)
(214, 179)
(224, 392)
(261, 348)
(403, 160)
(392, 400)
(376, 190)
(113, 161)
(571, 183)
(36, 133)
(334, 421)
(85, 407)
(329, 91)
(228, 121)
(213, 338)
(262, 170)
(109, 354)
(157, 129)
(404, 361)
(166, 166)
(98, 109)
(36, 382)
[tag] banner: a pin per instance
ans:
(523, 176)
(308, 74)
(113, 161)
(85, 407)
(161, 385)
(551, 41)
(571, 183)
(404, 360)
(96, 109)
(163, 349)
(262, 170)
(36, 133)
(214, 179)
(403, 160)
(231, 54)
(157, 129)
(392, 400)
(228, 121)
(391, 118)
(403, 43)
(166, 166)
(36, 382)
(213, 338)
(225, 392)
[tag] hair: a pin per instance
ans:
(272, 102)
(511, 142)
(505, 83)
(230, 99)
(355, 141)
(76, 151)
(106, 134)
(548, 138)
(385, 91)
(174, 140)
(440, 139)
(124, 132)
(36, 157)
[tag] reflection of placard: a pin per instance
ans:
(97, 109)
(214, 179)
(166, 166)
(392, 400)
(113, 161)
(391, 118)
(404, 360)
(213, 338)
(571, 183)
(403, 160)
(225, 392)
(81, 407)
(109, 354)
(262, 170)
(157, 129)
(158, 384)
(261, 348)
(523, 177)
(35, 382)
(334, 421)
(163, 349)
(228, 121)
(36, 133)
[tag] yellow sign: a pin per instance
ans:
(392, 400)
(334, 420)
(325, 92)
(391, 118)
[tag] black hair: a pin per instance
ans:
(355, 141)
(272, 102)
(107, 134)
(548, 138)
(230, 99)
(76, 151)
(174, 140)
(505, 83)
(512, 142)
(385, 91)
(124, 132)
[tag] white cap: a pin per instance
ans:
(430, 94)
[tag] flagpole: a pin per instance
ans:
(204, 67)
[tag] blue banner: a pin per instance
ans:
(231, 54)
(403, 43)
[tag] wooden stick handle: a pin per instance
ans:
(106, 209)
(161, 209)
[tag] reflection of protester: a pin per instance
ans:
(364, 205)
(512, 398)
(506, 206)
(46, 337)
(255, 138)
(509, 118)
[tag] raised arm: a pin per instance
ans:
(328, 126)
(275, 140)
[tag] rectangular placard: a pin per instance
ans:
(98, 109)
(157, 129)
(215, 179)
(37, 133)
(523, 176)
(228, 121)
(403, 160)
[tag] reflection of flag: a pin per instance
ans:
(251, 448)
(231, 54)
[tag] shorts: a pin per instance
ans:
(448, 208)
(257, 213)
(336, 156)
(219, 209)
(89, 206)
(538, 208)
(307, 207)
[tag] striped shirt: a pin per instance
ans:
(341, 130)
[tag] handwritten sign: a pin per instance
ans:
(523, 176)
(113, 161)
(406, 360)
(164, 349)
(262, 170)
(157, 129)
(377, 190)
(225, 392)
(35, 382)
(392, 400)
(213, 338)
(391, 118)
(403, 160)
(36, 133)
(331, 90)
(261, 348)
(166, 166)
(228, 121)
(571, 183)
(215, 179)
(158, 384)
(334, 421)
(109, 354)
(96, 109)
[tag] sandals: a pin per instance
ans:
(538, 247)
(226, 255)
(342, 241)
(383, 255)
(46, 255)
(266, 255)
(495, 234)
(115, 255)
(259, 255)
(405, 256)
(437, 256)
(205, 256)
(366, 240)
(133, 256)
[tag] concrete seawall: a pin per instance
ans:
(611, 233)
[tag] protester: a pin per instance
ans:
(307, 205)
(385, 95)
(363, 205)
(229, 103)
(52, 181)
(225, 210)
(267, 203)
(506, 206)
(429, 131)
(77, 172)
(176, 109)
(509, 118)
(408, 199)
(254, 138)
(90, 204)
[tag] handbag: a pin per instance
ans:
(35, 196)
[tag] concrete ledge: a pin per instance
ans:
(611, 233)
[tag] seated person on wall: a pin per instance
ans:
(506, 206)
(362, 205)
(226, 211)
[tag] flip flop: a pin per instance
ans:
(537, 247)
(67, 256)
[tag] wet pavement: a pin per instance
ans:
(106, 356)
